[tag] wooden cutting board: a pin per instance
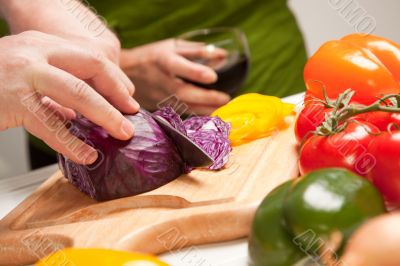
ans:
(198, 208)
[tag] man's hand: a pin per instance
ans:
(157, 69)
(44, 79)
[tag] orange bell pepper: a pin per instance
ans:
(368, 64)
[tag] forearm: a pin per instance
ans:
(69, 19)
(60, 16)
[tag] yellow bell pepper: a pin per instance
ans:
(98, 257)
(254, 116)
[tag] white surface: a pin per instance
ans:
(319, 21)
(233, 253)
(13, 153)
(15, 189)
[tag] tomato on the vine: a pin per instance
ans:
(314, 114)
(385, 174)
(309, 119)
(359, 77)
(382, 120)
(346, 149)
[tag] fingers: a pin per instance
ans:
(73, 93)
(200, 109)
(46, 124)
(183, 68)
(198, 96)
(62, 111)
(119, 95)
(189, 98)
(106, 77)
(200, 50)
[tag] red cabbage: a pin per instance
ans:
(147, 161)
(210, 133)
(124, 168)
(169, 114)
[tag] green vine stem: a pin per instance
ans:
(342, 111)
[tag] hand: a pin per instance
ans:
(42, 84)
(156, 70)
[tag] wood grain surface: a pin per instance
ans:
(198, 208)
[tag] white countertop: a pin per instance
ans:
(234, 253)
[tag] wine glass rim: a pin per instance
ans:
(205, 31)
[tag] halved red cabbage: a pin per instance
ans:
(169, 114)
(210, 133)
(124, 168)
(147, 161)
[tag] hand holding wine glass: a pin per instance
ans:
(156, 69)
(223, 49)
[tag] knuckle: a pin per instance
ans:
(165, 60)
(214, 94)
(26, 40)
(80, 90)
(113, 47)
(113, 54)
(131, 89)
(195, 72)
(32, 33)
(220, 96)
(182, 94)
(19, 61)
(170, 61)
(212, 97)
(98, 60)
(110, 113)
(31, 38)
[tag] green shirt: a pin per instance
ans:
(276, 44)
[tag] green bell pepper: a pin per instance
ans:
(305, 217)
(270, 243)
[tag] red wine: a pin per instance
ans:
(231, 72)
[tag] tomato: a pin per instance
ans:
(309, 119)
(385, 174)
(382, 120)
(346, 149)
(313, 115)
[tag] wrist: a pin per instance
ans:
(16, 13)
(128, 58)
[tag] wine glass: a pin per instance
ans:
(223, 49)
